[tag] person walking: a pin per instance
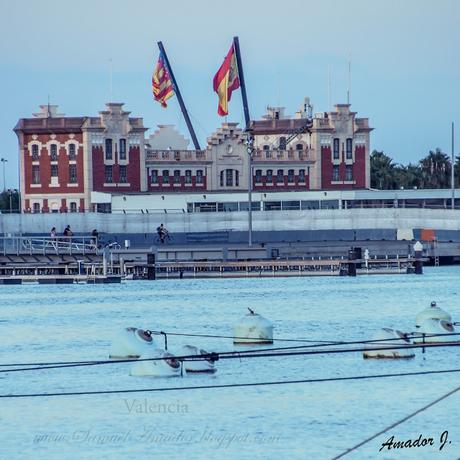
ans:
(67, 232)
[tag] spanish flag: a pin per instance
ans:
(226, 81)
(162, 85)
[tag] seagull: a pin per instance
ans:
(251, 311)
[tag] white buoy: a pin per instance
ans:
(168, 367)
(201, 365)
(435, 330)
(131, 342)
(253, 329)
(385, 338)
(432, 312)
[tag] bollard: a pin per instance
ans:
(418, 265)
(151, 266)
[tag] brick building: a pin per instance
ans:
(64, 159)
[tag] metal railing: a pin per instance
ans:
(61, 245)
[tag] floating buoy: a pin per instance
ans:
(131, 342)
(432, 312)
(385, 338)
(435, 331)
(201, 365)
(253, 329)
(170, 366)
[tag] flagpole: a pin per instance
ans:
(250, 138)
(179, 98)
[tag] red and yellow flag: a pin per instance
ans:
(226, 81)
(162, 85)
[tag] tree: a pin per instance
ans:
(382, 171)
(436, 170)
(9, 199)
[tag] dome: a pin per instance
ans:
(432, 312)
(253, 329)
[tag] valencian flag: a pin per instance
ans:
(162, 85)
(226, 81)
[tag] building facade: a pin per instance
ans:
(64, 159)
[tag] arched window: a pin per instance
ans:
(269, 175)
(199, 176)
(176, 176)
(122, 149)
(229, 177)
(35, 152)
(336, 148)
(73, 206)
(349, 149)
(188, 176)
(291, 175)
(299, 147)
(165, 177)
(258, 178)
(154, 176)
(53, 152)
(266, 147)
(302, 175)
(280, 176)
(282, 144)
(36, 207)
(72, 152)
(108, 149)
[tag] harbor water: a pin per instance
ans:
(45, 323)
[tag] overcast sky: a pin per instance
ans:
(404, 54)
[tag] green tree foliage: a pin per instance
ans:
(433, 171)
(9, 199)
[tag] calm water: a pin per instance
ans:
(299, 421)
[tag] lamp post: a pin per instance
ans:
(452, 173)
(250, 150)
(4, 160)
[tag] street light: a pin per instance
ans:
(4, 160)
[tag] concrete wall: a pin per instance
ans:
(267, 221)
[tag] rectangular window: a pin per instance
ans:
(280, 176)
(154, 176)
(108, 149)
(349, 149)
(36, 207)
(165, 177)
(269, 176)
(108, 175)
(122, 149)
(73, 174)
(53, 152)
(336, 149)
(290, 205)
(35, 152)
(54, 170)
(335, 173)
(291, 175)
(122, 178)
(73, 206)
(282, 144)
(177, 176)
(272, 206)
(258, 178)
(349, 172)
(199, 176)
(35, 174)
(302, 175)
(188, 176)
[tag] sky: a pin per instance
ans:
(404, 58)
